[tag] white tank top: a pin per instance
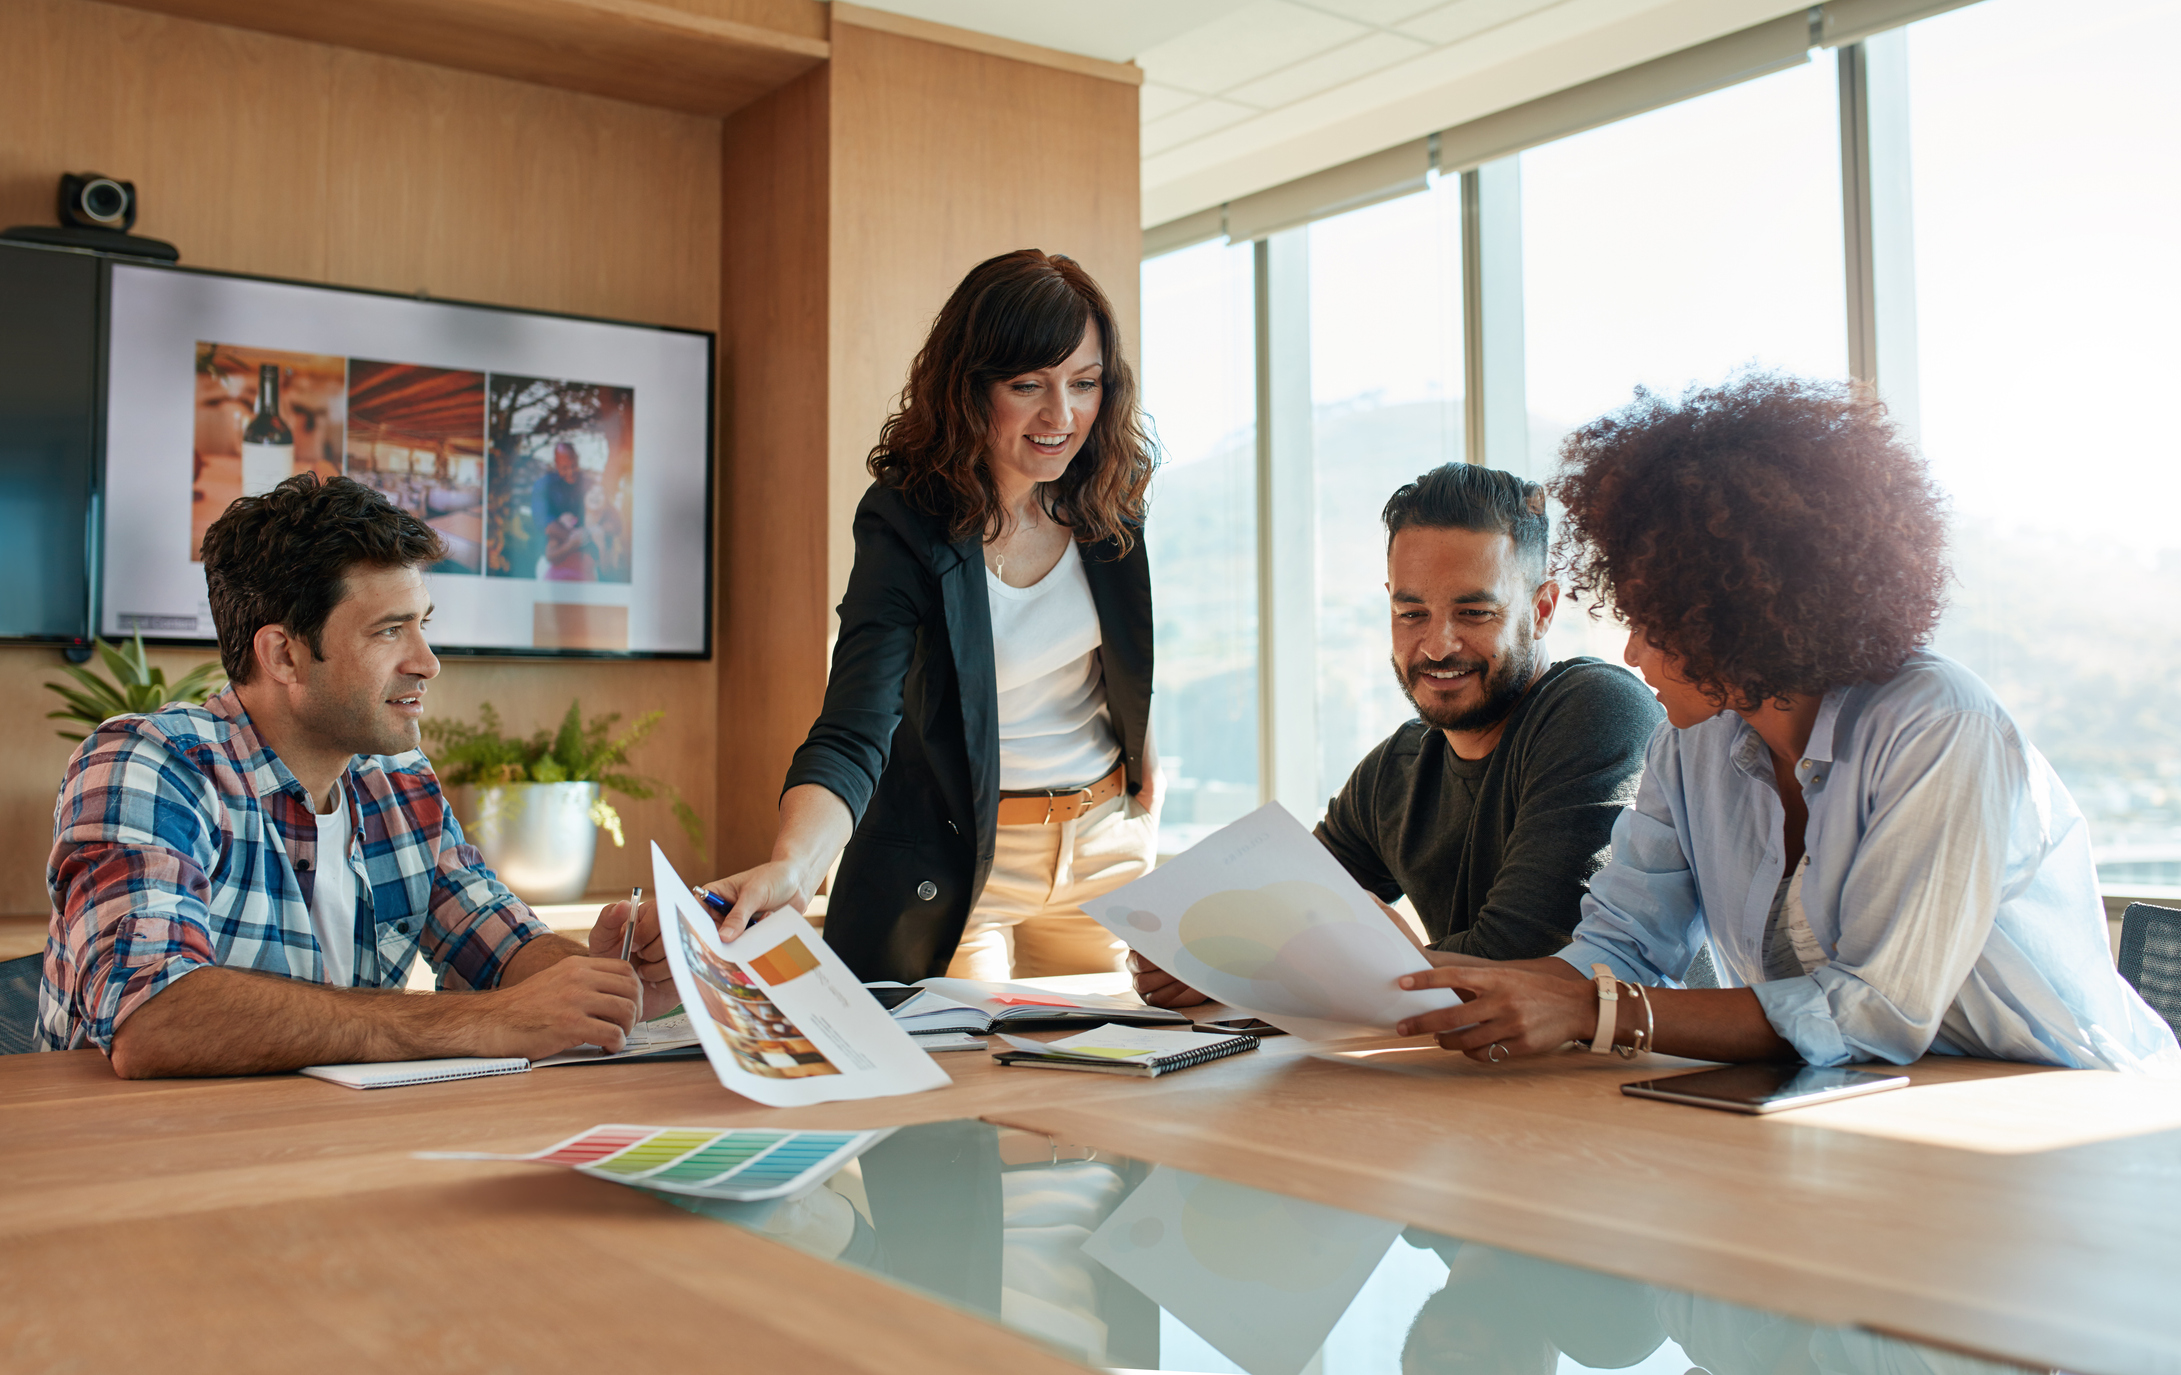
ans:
(1055, 731)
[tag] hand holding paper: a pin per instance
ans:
(1261, 918)
(781, 1019)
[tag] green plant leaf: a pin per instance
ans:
(89, 710)
(608, 820)
(691, 827)
(100, 689)
(577, 751)
(199, 683)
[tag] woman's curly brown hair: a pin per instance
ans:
(1020, 312)
(1774, 534)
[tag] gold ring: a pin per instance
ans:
(1497, 1053)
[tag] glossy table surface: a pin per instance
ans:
(271, 1223)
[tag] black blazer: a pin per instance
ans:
(909, 737)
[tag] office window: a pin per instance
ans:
(1386, 393)
(2046, 187)
(1674, 248)
(1200, 389)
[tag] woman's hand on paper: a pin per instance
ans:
(647, 954)
(1522, 1011)
(755, 892)
(1159, 988)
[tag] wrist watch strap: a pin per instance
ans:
(1609, 996)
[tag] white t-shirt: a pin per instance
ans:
(333, 895)
(1054, 728)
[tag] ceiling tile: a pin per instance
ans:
(1370, 53)
(1114, 29)
(1374, 11)
(1261, 37)
(1204, 117)
(1467, 18)
(1157, 102)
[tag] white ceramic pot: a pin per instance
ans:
(538, 837)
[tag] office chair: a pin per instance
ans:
(19, 1002)
(1702, 973)
(2150, 957)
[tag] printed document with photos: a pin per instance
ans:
(780, 1017)
(1260, 916)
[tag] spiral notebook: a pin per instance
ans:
(1109, 1049)
(394, 1074)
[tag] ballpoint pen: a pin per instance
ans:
(628, 947)
(720, 905)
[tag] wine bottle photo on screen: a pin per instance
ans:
(268, 445)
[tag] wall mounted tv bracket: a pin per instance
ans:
(96, 212)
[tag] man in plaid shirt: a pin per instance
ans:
(242, 887)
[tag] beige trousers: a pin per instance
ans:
(1029, 923)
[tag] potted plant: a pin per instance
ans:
(534, 807)
(137, 688)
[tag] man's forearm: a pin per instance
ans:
(537, 956)
(234, 1021)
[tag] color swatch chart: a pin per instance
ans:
(710, 1162)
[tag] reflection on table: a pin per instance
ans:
(1126, 1265)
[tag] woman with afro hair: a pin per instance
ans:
(1880, 862)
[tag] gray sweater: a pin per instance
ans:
(1496, 853)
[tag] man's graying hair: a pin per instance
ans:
(1464, 496)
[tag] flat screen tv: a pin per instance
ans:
(49, 416)
(565, 462)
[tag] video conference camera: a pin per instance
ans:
(97, 212)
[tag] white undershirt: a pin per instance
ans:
(333, 895)
(1054, 728)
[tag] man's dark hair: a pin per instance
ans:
(1463, 496)
(282, 559)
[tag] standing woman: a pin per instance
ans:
(984, 752)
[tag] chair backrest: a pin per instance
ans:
(19, 1002)
(2150, 957)
(1702, 971)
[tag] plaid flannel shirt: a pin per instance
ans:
(180, 841)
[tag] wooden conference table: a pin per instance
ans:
(280, 1223)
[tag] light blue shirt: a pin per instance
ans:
(1950, 886)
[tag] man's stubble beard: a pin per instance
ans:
(351, 722)
(1503, 688)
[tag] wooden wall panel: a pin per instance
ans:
(942, 158)
(495, 191)
(773, 342)
(223, 132)
(271, 155)
(676, 56)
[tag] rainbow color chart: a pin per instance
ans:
(744, 1164)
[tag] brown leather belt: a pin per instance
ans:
(1066, 804)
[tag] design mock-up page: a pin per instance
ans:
(1260, 1276)
(782, 1020)
(1258, 915)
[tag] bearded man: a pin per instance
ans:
(1493, 808)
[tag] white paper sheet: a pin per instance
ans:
(1259, 916)
(1259, 1276)
(649, 1038)
(781, 1019)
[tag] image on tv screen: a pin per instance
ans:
(567, 527)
